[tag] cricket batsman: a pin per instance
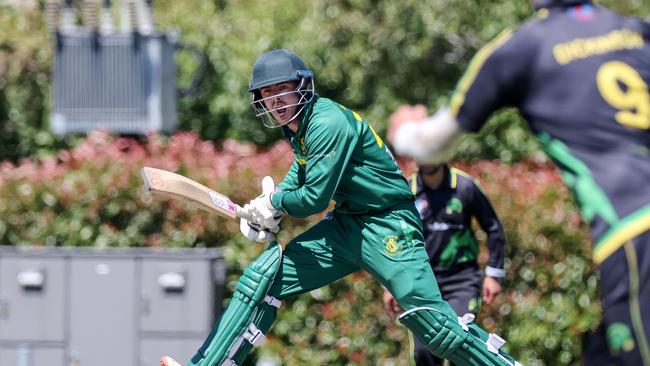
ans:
(579, 74)
(374, 226)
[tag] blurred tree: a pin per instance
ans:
(369, 55)
(25, 60)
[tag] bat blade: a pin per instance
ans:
(175, 186)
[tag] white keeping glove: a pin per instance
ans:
(261, 210)
(255, 232)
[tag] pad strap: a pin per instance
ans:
(253, 335)
(462, 344)
(236, 324)
(272, 301)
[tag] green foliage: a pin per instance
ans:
(369, 55)
(551, 285)
(92, 196)
(24, 83)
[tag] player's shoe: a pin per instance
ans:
(168, 361)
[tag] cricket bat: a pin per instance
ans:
(175, 186)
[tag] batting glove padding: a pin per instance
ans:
(261, 210)
(255, 232)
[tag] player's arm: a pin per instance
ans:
(489, 222)
(494, 78)
(329, 144)
(430, 141)
(291, 180)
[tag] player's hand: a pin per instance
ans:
(255, 232)
(261, 210)
(404, 127)
(402, 115)
(391, 305)
(491, 288)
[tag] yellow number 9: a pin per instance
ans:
(622, 87)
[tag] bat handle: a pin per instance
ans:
(243, 213)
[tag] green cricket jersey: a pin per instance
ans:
(338, 156)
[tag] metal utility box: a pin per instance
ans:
(39, 284)
(74, 306)
(121, 83)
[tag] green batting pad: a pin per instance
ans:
(249, 293)
(446, 338)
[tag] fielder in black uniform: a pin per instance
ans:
(579, 74)
(447, 200)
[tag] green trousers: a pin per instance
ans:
(388, 245)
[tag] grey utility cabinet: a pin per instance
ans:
(92, 307)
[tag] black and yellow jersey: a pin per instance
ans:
(447, 213)
(579, 75)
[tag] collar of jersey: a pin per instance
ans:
(445, 184)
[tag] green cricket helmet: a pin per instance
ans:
(275, 67)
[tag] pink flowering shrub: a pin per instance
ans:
(550, 293)
(92, 195)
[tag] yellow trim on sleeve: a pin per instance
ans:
(458, 97)
(414, 183)
(466, 175)
(453, 180)
(622, 232)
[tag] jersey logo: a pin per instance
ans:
(301, 160)
(454, 206)
(443, 226)
(330, 154)
(474, 305)
(619, 337)
(582, 13)
(391, 245)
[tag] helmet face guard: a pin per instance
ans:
(276, 67)
(304, 91)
